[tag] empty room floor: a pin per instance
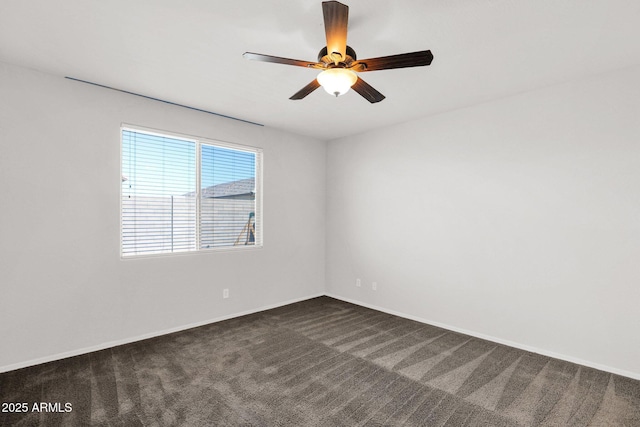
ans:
(320, 362)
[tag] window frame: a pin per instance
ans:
(199, 142)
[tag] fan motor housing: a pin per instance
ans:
(323, 56)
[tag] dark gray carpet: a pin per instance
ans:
(320, 362)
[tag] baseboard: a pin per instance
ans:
(129, 340)
(116, 343)
(633, 375)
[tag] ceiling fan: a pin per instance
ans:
(338, 61)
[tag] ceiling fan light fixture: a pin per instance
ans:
(338, 60)
(337, 81)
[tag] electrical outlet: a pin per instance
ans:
(358, 284)
(225, 293)
(374, 286)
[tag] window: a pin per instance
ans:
(183, 194)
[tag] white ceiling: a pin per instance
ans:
(190, 52)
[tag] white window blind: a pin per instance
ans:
(181, 194)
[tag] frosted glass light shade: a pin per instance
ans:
(337, 81)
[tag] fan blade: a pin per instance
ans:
(336, 21)
(367, 91)
(306, 90)
(404, 60)
(279, 60)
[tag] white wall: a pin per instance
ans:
(517, 220)
(63, 285)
